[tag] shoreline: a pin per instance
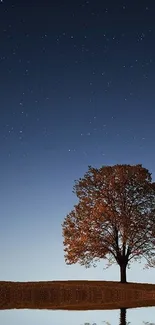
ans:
(75, 295)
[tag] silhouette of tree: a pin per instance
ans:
(114, 219)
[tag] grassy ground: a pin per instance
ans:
(75, 295)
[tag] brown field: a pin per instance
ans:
(75, 295)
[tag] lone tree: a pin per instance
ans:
(114, 219)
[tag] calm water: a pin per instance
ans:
(144, 316)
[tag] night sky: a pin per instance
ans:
(77, 88)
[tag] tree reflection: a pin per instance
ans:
(122, 319)
(147, 323)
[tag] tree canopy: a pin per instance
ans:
(114, 218)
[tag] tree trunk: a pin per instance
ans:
(123, 272)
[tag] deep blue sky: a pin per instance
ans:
(76, 89)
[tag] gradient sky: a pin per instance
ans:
(76, 89)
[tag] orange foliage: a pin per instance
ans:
(114, 217)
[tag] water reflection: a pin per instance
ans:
(139, 316)
(122, 319)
